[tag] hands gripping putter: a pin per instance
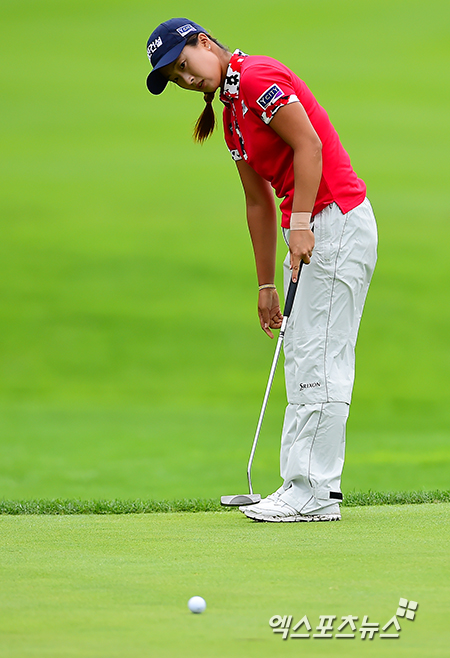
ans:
(251, 498)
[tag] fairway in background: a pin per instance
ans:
(132, 363)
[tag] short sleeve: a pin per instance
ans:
(266, 88)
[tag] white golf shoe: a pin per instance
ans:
(270, 498)
(278, 511)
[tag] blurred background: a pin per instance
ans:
(132, 364)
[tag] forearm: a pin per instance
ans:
(262, 224)
(307, 175)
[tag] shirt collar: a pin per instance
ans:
(230, 89)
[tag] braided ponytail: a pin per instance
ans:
(207, 120)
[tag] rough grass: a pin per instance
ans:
(132, 365)
(61, 506)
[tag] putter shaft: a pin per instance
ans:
(266, 399)
(287, 311)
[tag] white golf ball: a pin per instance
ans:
(196, 604)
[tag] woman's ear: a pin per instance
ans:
(204, 41)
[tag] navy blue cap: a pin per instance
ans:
(165, 45)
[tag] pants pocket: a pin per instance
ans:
(322, 233)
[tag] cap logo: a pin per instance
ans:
(185, 29)
(153, 47)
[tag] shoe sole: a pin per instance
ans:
(294, 518)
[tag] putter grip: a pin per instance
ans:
(291, 293)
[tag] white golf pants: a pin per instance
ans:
(319, 348)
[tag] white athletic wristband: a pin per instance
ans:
(268, 285)
(300, 221)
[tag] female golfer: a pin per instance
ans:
(281, 138)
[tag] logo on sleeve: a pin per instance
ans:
(269, 96)
(185, 29)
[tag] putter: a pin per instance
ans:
(252, 498)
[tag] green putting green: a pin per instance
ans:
(118, 586)
(132, 365)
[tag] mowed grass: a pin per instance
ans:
(118, 586)
(197, 453)
(132, 364)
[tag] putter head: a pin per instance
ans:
(240, 499)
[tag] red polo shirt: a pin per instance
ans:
(254, 90)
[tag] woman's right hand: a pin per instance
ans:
(270, 315)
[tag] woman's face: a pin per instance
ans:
(197, 68)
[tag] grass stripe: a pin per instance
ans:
(61, 506)
(357, 499)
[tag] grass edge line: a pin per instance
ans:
(61, 506)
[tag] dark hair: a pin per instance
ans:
(207, 120)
